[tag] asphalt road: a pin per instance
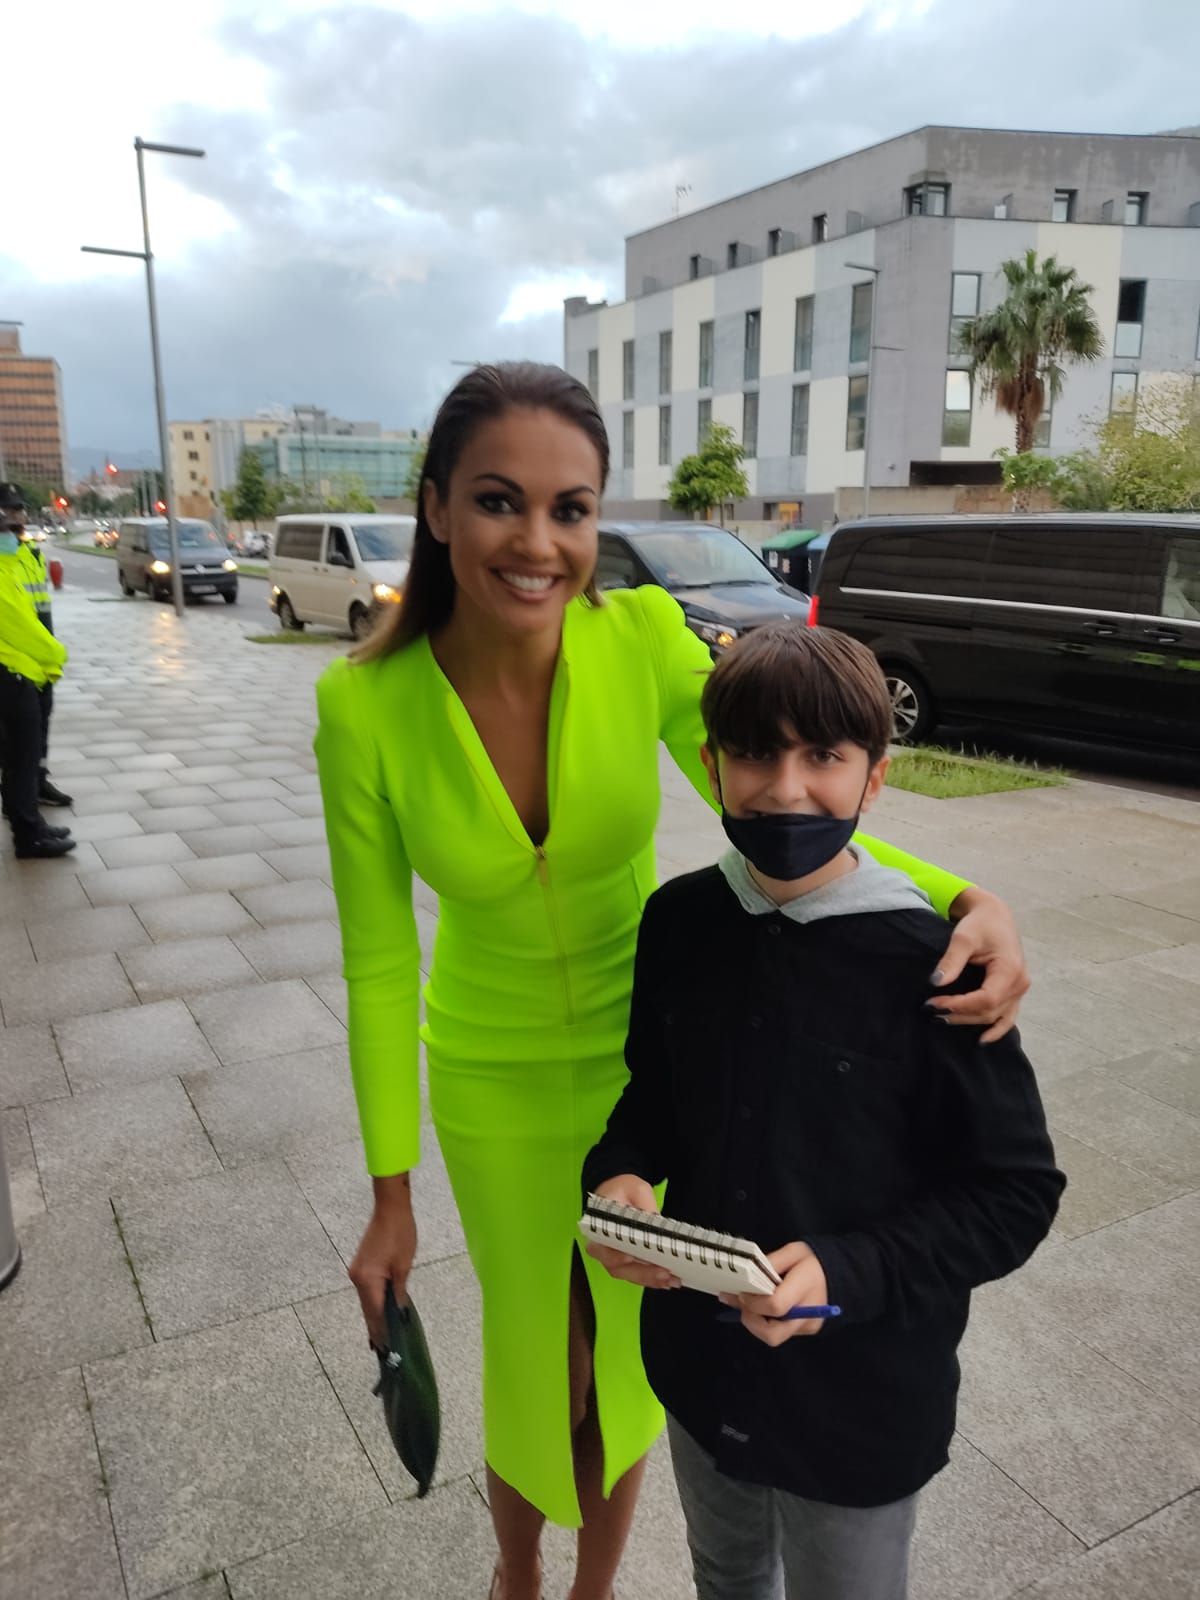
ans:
(97, 574)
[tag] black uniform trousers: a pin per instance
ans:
(21, 734)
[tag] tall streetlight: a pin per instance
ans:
(861, 266)
(160, 399)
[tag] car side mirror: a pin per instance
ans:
(337, 559)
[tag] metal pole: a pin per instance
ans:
(160, 399)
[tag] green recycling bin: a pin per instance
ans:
(786, 555)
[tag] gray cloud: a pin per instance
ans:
(408, 175)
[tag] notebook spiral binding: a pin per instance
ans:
(627, 1222)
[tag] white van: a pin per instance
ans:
(338, 569)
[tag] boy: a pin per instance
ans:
(790, 1081)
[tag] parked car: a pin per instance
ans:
(1078, 624)
(339, 571)
(205, 564)
(105, 538)
(722, 585)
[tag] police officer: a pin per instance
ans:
(30, 659)
(38, 584)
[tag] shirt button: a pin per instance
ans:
(775, 929)
(756, 1022)
(745, 1113)
(739, 1194)
(843, 1066)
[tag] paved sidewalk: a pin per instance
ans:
(185, 1403)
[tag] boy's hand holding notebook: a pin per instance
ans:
(634, 1194)
(671, 1252)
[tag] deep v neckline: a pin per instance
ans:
(485, 768)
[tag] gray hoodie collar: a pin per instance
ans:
(870, 887)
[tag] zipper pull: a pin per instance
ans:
(541, 862)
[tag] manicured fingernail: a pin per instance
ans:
(939, 976)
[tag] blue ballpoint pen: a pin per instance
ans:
(796, 1314)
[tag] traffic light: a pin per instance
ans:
(160, 505)
(61, 502)
(111, 469)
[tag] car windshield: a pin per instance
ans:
(384, 541)
(698, 558)
(192, 536)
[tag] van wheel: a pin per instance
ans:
(913, 710)
(231, 597)
(126, 586)
(360, 621)
(287, 616)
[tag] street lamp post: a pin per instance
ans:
(160, 399)
(860, 266)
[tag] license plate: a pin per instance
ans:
(202, 588)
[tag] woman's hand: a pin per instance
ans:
(630, 1190)
(803, 1285)
(985, 936)
(385, 1253)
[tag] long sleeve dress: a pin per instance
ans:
(528, 998)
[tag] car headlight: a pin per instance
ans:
(230, 566)
(386, 591)
(716, 633)
(160, 567)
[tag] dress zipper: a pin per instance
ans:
(543, 872)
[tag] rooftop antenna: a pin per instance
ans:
(681, 191)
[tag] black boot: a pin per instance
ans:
(48, 795)
(44, 849)
(54, 833)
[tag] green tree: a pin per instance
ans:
(348, 492)
(713, 476)
(416, 467)
(1018, 350)
(252, 496)
(1150, 457)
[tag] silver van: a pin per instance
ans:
(338, 569)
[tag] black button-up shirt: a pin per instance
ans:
(787, 1081)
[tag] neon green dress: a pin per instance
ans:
(528, 998)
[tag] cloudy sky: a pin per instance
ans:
(394, 185)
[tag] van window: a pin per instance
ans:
(301, 542)
(385, 541)
(339, 545)
(941, 561)
(1080, 567)
(1181, 589)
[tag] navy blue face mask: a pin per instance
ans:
(792, 844)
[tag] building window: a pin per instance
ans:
(927, 200)
(664, 436)
(594, 373)
(703, 421)
(693, 267)
(964, 306)
(731, 254)
(753, 334)
(706, 355)
(820, 228)
(861, 297)
(856, 413)
(803, 342)
(799, 444)
(664, 362)
(1136, 207)
(750, 424)
(774, 241)
(193, 455)
(627, 439)
(627, 370)
(188, 434)
(956, 414)
(1131, 308)
(1123, 398)
(1063, 207)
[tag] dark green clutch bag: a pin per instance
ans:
(408, 1389)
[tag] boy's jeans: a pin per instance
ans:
(753, 1543)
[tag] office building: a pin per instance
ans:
(33, 430)
(760, 312)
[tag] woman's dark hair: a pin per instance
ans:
(479, 396)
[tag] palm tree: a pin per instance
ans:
(1017, 350)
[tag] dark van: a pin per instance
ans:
(1079, 624)
(205, 563)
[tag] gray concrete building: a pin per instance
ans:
(757, 312)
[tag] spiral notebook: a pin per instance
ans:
(701, 1258)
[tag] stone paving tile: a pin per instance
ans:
(293, 949)
(187, 967)
(108, 928)
(243, 871)
(1127, 1125)
(331, 988)
(101, 802)
(1168, 1005)
(448, 1297)
(1180, 896)
(151, 761)
(74, 1297)
(276, 768)
(207, 771)
(181, 794)
(251, 789)
(276, 1105)
(24, 1184)
(222, 1445)
(1181, 962)
(1091, 1444)
(15, 948)
(297, 830)
(124, 885)
(306, 805)
(225, 1246)
(139, 783)
(1160, 928)
(153, 849)
(306, 783)
(32, 895)
(115, 1139)
(1171, 1075)
(203, 1589)
(66, 989)
(1083, 938)
(126, 1046)
(1101, 1190)
(194, 915)
(269, 1019)
(30, 1066)
(115, 749)
(303, 900)
(90, 828)
(442, 1546)
(220, 839)
(242, 813)
(1157, 1560)
(300, 861)
(51, 1492)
